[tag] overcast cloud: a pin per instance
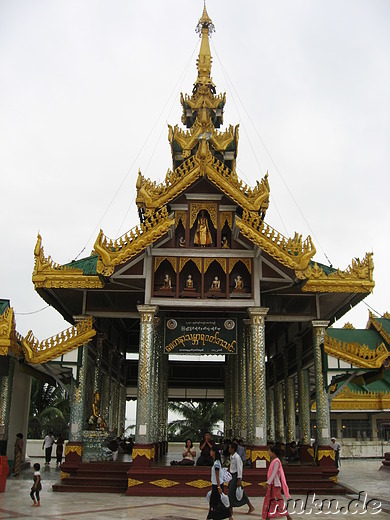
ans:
(87, 89)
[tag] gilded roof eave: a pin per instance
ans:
(38, 352)
(48, 274)
(290, 252)
(349, 400)
(113, 253)
(357, 278)
(151, 196)
(8, 334)
(359, 355)
(373, 320)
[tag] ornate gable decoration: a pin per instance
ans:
(358, 277)
(116, 252)
(37, 352)
(291, 252)
(355, 353)
(202, 150)
(8, 334)
(49, 274)
(378, 326)
(347, 399)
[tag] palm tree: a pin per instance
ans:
(49, 410)
(198, 417)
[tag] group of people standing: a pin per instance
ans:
(221, 504)
(48, 443)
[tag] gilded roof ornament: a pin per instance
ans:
(116, 252)
(38, 352)
(378, 326)
(48, 273)
(294, 253)
(347, 399)
(355, 353)
(358, 277)
(8, 334)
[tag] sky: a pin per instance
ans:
(87, 88)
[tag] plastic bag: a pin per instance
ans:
(239, 493)
(225, 500)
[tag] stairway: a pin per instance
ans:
(94, 477)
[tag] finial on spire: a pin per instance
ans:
(205, 22)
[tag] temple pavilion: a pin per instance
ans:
(203, 274)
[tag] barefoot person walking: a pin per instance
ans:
(217, 511)
(236, 465)
(274, 506)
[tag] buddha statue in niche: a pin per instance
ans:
(203, 236)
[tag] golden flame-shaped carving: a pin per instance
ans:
(115, 252)
(379, 327)
(348, 399)
(48, 273)
(8, 334)
(356, 354)
(37, 352)
(358, 277)
(294, 253)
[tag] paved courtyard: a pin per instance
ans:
(358, 475)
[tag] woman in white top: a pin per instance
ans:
(217, 510)
(188, 454)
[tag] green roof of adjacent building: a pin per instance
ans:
(369, 337)
(88, 265)
(4, 304)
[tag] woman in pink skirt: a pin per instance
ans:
(274, 506)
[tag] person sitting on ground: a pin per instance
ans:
(205, 445)
(189, 455)
(292, 452)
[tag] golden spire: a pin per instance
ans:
(205, 28)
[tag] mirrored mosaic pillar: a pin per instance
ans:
(146, 385)
(248, 401)
(228, 412)
(271, 415)
(105, 398)
(165, 394)
(78, 392)
(322, 403)
(235, 396)
(242, 390)
(6, 386)
(303, 396)
(257, 316)
(290, 410)
(98, 364)
(122, 410)
(279, 413)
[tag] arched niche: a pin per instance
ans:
(240, 279)
(190, 270)
(164, 277)
(215, 271)
(203, 233)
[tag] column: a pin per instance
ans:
(249, 386)
(77, 408)
(242, 391)
(289, 387)
(228, 412)
(235, 397)
(6, 384)
(143, 452)
(259, 389)
(98, 364)
(74, 448)
(279, 413)
(322, 402)
(271, 414)
(303, 397)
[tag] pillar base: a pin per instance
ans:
(73, 452)
(143, 455)
(306, 453)
(260, 456)
(326, 456)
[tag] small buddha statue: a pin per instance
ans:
(182, 242)
(225, 243)
(189, 283)
(167, 284)
(238, 283)
(215, 284)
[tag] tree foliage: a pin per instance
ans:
(49, 410)
(198, 417)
